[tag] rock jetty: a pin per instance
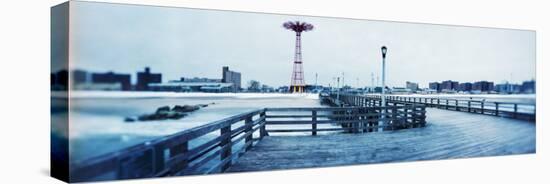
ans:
(165, 113)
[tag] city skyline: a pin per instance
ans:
(184, 42)
(84, 76)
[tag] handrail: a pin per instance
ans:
(351, 119)
(172, 155)
(503, 109)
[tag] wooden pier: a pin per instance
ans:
(184, 154)
(523, 111)
(361, 132)
(448, 135)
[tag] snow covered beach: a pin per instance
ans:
(97, 117)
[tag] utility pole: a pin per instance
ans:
(338, 90)
(372, 81)
(343, 82)
(316, 76)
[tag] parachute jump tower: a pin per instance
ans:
(297, 83)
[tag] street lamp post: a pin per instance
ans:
(384, 50)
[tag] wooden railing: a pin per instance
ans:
(348, 119)
(214, 147)
(173, 155)
(515, 110)
(524, 111)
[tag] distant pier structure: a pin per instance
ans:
(297, 83)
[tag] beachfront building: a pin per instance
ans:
(233, 77)
(465, 87)
(528, 87)
(508, 88)
(435, 86)
(145, 78)
(400, 91)
(482, 87)
(112, 79)
(449, 86)
(181, 86)
(412, 86)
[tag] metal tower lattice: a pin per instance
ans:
(297, 82)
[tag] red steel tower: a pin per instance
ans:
(297, 83)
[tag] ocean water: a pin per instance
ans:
(97, 118)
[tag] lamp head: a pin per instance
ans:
(384, 50)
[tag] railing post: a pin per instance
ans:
(496, 108)
(225, 145)
(314, 122)
(423, 118)
(406, 109)
(456, 105)
(515, 110)
(438, 103)
(177, 150)
(446, 103)
(394, 116)
(248, 129)
(482, 107)
(354, 124)
(469, 105)
(263, 132)
(159, 158)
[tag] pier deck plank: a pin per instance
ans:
(448, 134)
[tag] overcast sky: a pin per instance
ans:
(180, 42)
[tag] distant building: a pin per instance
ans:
(465, 87)
(283, 89)
(98, 86)
(230, 82)
(267, 89)
(435, 86)
(399, 90)
(113, 78)
(80, 77)
(483, 86)
(312, 88)
(528, 87)
(508, 88)
(378, 89)
(449, 85)
(179, 86)
(412, 86)
(197, 79)
(145, 78)
(229, 76)
(59, 80)
(428, 91)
